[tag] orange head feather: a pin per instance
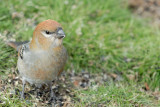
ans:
(47, 34)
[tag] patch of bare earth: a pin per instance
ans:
(68, 83)
(147, 8)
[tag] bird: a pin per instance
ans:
(42, 60)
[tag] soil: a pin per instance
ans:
(147, 8)
(64, 90)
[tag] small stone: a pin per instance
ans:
(16, 83)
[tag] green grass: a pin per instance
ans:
(101, 36)
(115, 95)
(110, 95)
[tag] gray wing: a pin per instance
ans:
(23, 49)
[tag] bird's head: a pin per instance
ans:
(48, 34)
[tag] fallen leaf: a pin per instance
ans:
(146, 87)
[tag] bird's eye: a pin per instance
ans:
(47, 32)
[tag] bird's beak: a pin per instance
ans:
(60, 33)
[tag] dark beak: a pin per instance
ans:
(60, 33)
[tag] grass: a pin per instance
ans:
(110, 95)
(101, 36)
(117, 95)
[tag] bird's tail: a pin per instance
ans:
(16, 45)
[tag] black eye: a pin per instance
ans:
(47, 32)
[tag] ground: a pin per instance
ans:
(147, 8)
(113, 52)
